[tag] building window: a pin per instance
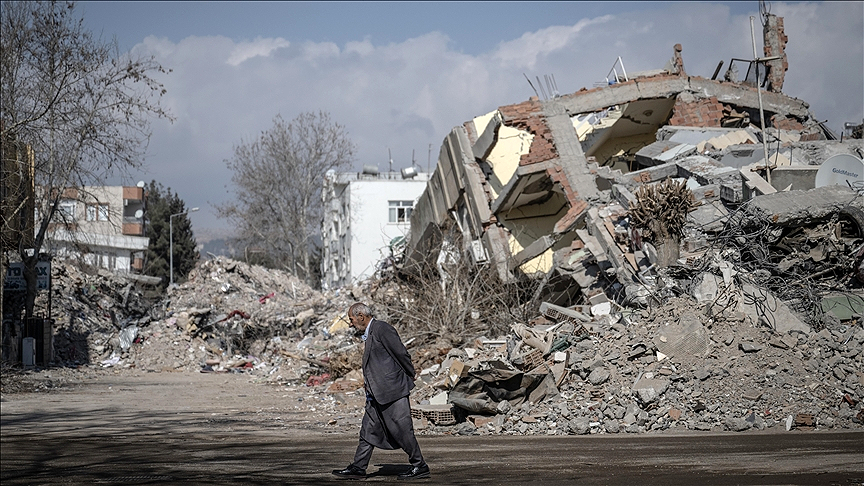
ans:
(400, 211)
(97, 212)
(66, 210)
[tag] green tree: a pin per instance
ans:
(278, 179)
(161, 204)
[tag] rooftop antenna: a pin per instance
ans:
(429, 159)
(541, 88)
(532, 85)
(390, 156)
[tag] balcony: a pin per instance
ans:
(133, 226)
(133, 193)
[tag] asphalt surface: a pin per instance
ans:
(172, 429)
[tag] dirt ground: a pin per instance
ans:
(131, 427)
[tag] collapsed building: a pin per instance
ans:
(543, 188)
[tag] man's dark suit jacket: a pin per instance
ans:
(387, 366)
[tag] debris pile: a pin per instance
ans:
(595, 368)
(634, 372)
(228, 316)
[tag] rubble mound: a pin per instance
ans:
(667, 369)
(589, 369)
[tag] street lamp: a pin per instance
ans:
(171, 243)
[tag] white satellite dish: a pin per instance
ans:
(843, 169)
(139, 214)
(140, 184)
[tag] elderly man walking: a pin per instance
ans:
(389, 377)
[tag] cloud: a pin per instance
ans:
(406, 96)
(258, 47)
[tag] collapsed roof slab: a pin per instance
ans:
(667, 86)
(524, 188)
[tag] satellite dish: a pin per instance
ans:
(843, 169)
(140, 184)
(139, 214)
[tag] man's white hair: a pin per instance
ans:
(360, 309)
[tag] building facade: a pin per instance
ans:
(364, 213)
(103, 225)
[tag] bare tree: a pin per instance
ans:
(278, 179)
(82, 106)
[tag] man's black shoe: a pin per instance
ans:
(351, 472)
(416, 472)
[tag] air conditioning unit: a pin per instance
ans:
(478, 252)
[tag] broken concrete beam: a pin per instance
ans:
(754, 184)
(651, 174)
(708, 192)
(533, 250)
(486, 141)
(596, 225)
(495, 240)
(477, 203)
(803, 208)
(571, 158)
(706, 170)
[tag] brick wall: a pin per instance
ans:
(775, 40)
(786, 123)
(699, 113)
(528, 116)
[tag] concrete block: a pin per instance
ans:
(707, 192)
(648, 390)
(598, 376)
(732, 192)
(623, 195)
(749, 347)
(801, 178)
(707, 288)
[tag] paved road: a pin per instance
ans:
(149, 432)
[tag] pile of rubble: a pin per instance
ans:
(228, 316)
(635, 372)
(598, 368)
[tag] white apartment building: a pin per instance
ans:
(104, 225)
(363, 214)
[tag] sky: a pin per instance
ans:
(400, 75)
